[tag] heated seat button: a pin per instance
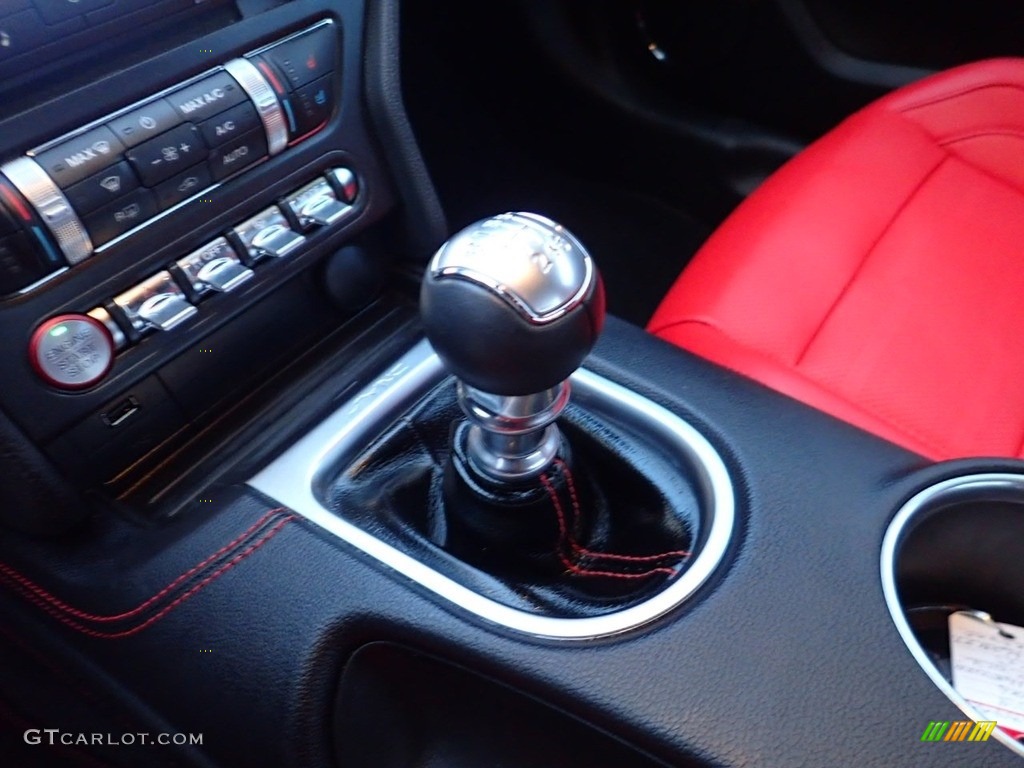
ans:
(189, 182)
(81, 157)
(20, 266)
(211, 95)
(102, 188)
(312, 105)
(120, 216)
(306, 57)
(236, 155)
(168, 154)
(144, 123)
(229, 125)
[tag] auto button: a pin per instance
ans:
(238, 154)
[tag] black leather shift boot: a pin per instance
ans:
(606, 526)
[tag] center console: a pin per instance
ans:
(272, 475)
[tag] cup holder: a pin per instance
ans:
(956, 546)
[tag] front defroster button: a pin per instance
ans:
(267, 234)
(102, 188)
(82, 156)
(158, 303)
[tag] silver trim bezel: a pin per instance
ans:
(301, 476)
(909, 515)
(52, 207)
(262, 96)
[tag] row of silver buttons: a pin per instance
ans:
(160, 303)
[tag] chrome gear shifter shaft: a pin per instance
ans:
(512, 304)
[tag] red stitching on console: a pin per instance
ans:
(57, 603)
(170, 606)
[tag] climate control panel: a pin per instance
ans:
(71, 198)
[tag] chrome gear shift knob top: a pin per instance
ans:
(512, 305)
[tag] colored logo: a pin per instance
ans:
(962, 730)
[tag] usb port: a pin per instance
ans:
(121, 412)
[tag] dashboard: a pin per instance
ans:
(145, 211)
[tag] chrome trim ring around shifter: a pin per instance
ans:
(992, 485)
(300, 479)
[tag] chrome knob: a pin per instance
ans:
(512, 305)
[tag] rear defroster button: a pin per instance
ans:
(71, 352)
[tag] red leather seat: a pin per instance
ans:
(879, 276)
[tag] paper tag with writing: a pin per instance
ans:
(988, 667)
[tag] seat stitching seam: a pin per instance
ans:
(985, 172)
(895, 422)
(1018, 134)
(864, 260)
(956, 94)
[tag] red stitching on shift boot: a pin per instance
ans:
(57, 603)
(563, 538)
(170, 606)
(577, 516)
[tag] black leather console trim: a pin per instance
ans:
(125, 623)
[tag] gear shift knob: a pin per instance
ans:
(512, 304)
